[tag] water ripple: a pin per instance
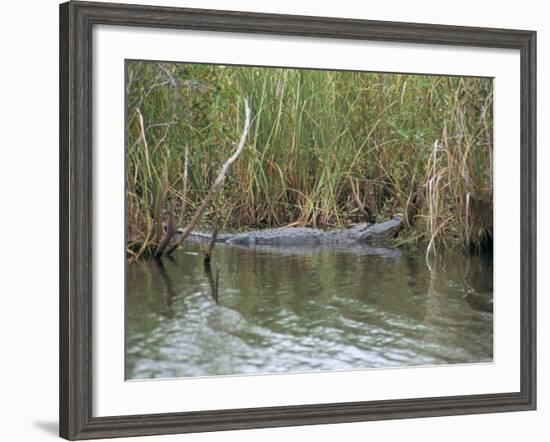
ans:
(320, 310)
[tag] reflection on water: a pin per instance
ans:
(279, 310)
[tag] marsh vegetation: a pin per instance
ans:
(324, 149)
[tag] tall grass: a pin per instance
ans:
(319, 142)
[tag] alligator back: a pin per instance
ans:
(303, 235)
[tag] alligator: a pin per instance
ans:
(296, 236)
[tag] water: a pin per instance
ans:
(304, 309)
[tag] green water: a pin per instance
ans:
(295, 309)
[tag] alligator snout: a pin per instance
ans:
(385, 230)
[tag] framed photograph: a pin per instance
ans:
(271, 220)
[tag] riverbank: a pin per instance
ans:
(325, 150)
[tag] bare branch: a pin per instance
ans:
(168, 234)
(216, 186)
(211, 244)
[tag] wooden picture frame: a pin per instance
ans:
(76, 243)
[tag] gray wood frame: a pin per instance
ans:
(76, 23)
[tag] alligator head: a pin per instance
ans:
(375, 232)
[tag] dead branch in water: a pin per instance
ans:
(211, 244)
(216, 186)
(214, 283)
(168, 233)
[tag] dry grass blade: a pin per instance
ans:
(184, 190)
